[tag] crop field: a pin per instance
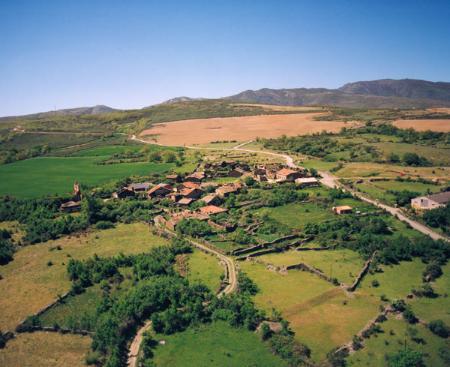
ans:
(429, 309)
(342, 264)
(29, 283)
(321, 315)
(221, 345)
(205, 269)
(55, 175)
(395, 281)
(393, 338)
(43, 349)
(203, 131)
(363, 170)
(438, 156)
(442, 125)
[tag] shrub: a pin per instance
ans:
(439, 328)
(104, 224)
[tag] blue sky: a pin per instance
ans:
(130, 54)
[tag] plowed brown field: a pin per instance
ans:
(442, 125)
(202, 131)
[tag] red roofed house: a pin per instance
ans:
(211, 209)
(159, 190)
(195, 177)
(191, 193)
(287, 174)
(226, 190)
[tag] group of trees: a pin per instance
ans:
(6, 247)
(438, 218)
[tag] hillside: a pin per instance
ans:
(405, 88)
(387, 93)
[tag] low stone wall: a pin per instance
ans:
(316, 248)
(242, 251)
(310, 269)
(362, 273)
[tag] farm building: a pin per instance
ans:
(123, 193)
(195, 177)
(70, 206)
(185, 201)
(431, 201)
(139, 187)
(307, 182)
(211, 199)
(211, 209)
(173, 178)
(191, 193)
(225, 190)
(159, 190)
(287, 175)
(190, 185)
(343, 209)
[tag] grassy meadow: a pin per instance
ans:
(342, 264)
(221, 345)
(397, 333)
(29, 283)
(205, 269)
(55, 175)
(321, 315)
(43, 349)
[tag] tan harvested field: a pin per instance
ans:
(272, 107)
(442, 125)
(203, 131)
(43, 349)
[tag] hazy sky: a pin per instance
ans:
(129, 54)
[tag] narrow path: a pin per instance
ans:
(136, 343)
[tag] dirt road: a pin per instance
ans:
(136, 343)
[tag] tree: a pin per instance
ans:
(406, 358)
(266, 333)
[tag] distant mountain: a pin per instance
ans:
(94, 110)
(181, 99)
(406, 88)
(387, 93)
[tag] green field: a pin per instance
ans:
(379, 189)
(396, 281)
(321, 315)
(343, 264)
(29, 283)
(393, 340)
(429, 309)
(214, 345)
(205, 269)
(55, 175)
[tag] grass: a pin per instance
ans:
(342, 264)
(393, 340)
(55, 175)
(321, 315)
(214, 345)
(379, 189)
(204, 268)
(42, 349)
(396, 281)
(429, 309)
(29, 284)
(297, 215)
(357, 169)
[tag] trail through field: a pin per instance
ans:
(135, 345)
